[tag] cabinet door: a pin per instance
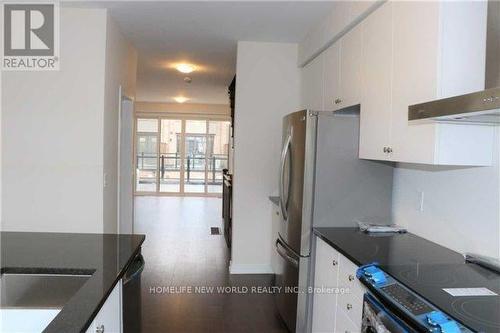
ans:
(345, 325)
(415, 77)
(350, 68)
(110, 316)
(331, 79)
(312, 84)
(376, 104)
(325, 281)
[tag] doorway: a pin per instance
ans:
(179, 156)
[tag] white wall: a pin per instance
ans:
(184, 108)
(51, 126)
(267, 88)
(121, 69)
(59, 131)
(461, 205)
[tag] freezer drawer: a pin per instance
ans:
(287, 279)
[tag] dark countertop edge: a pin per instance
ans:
(318, 233)
(110, 289)
(275, 199)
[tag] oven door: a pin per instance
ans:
(379, 319)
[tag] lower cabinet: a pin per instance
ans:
(109, 317)
(338, 294)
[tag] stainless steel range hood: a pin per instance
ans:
(482, 107)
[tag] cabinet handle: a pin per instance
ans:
(351, 277)
(349, 306)
(99, 329)
(334, 262)
(338, 101)
(385, 149)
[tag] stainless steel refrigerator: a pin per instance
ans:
(322, 182)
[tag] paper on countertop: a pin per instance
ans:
(469, 292)
(378, 225)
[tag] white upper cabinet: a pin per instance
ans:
(404, 53)
(331, 77)
(376, 68)
(341, 74)
(350, 68)
(442, 58)
(312, 85)
(415, 52)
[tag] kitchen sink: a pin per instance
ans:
(29, 302)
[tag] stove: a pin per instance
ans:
(471, 299)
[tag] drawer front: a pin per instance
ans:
(348, 279)
(351, 306)
(345, 325)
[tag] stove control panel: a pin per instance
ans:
(412, 308)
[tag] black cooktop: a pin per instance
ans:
(479, 313)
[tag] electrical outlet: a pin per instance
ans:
(105, 180)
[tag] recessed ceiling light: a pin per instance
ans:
(185, 68)
(181, 99)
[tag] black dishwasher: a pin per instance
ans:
(131, 298)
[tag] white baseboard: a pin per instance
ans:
(250, 269)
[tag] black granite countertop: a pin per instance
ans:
(275, 200)
(105, 256)
(386, 249)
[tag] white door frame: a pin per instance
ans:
(124, 98)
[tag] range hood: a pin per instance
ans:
(482, 107)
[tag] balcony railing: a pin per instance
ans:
(194, 164)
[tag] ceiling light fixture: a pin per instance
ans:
(181, 99)
(185, 68)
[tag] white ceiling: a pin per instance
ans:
(204, 33)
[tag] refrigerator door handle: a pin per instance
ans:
(285, 254)
(289, 248)
(283, 200)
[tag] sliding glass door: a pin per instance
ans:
(218, 152)
(188, 160)
(195, 156)
(147, 155)
(170, 170)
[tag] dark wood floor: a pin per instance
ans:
(180, 252)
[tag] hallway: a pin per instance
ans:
(180, 252)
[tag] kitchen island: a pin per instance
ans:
(101, 259)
